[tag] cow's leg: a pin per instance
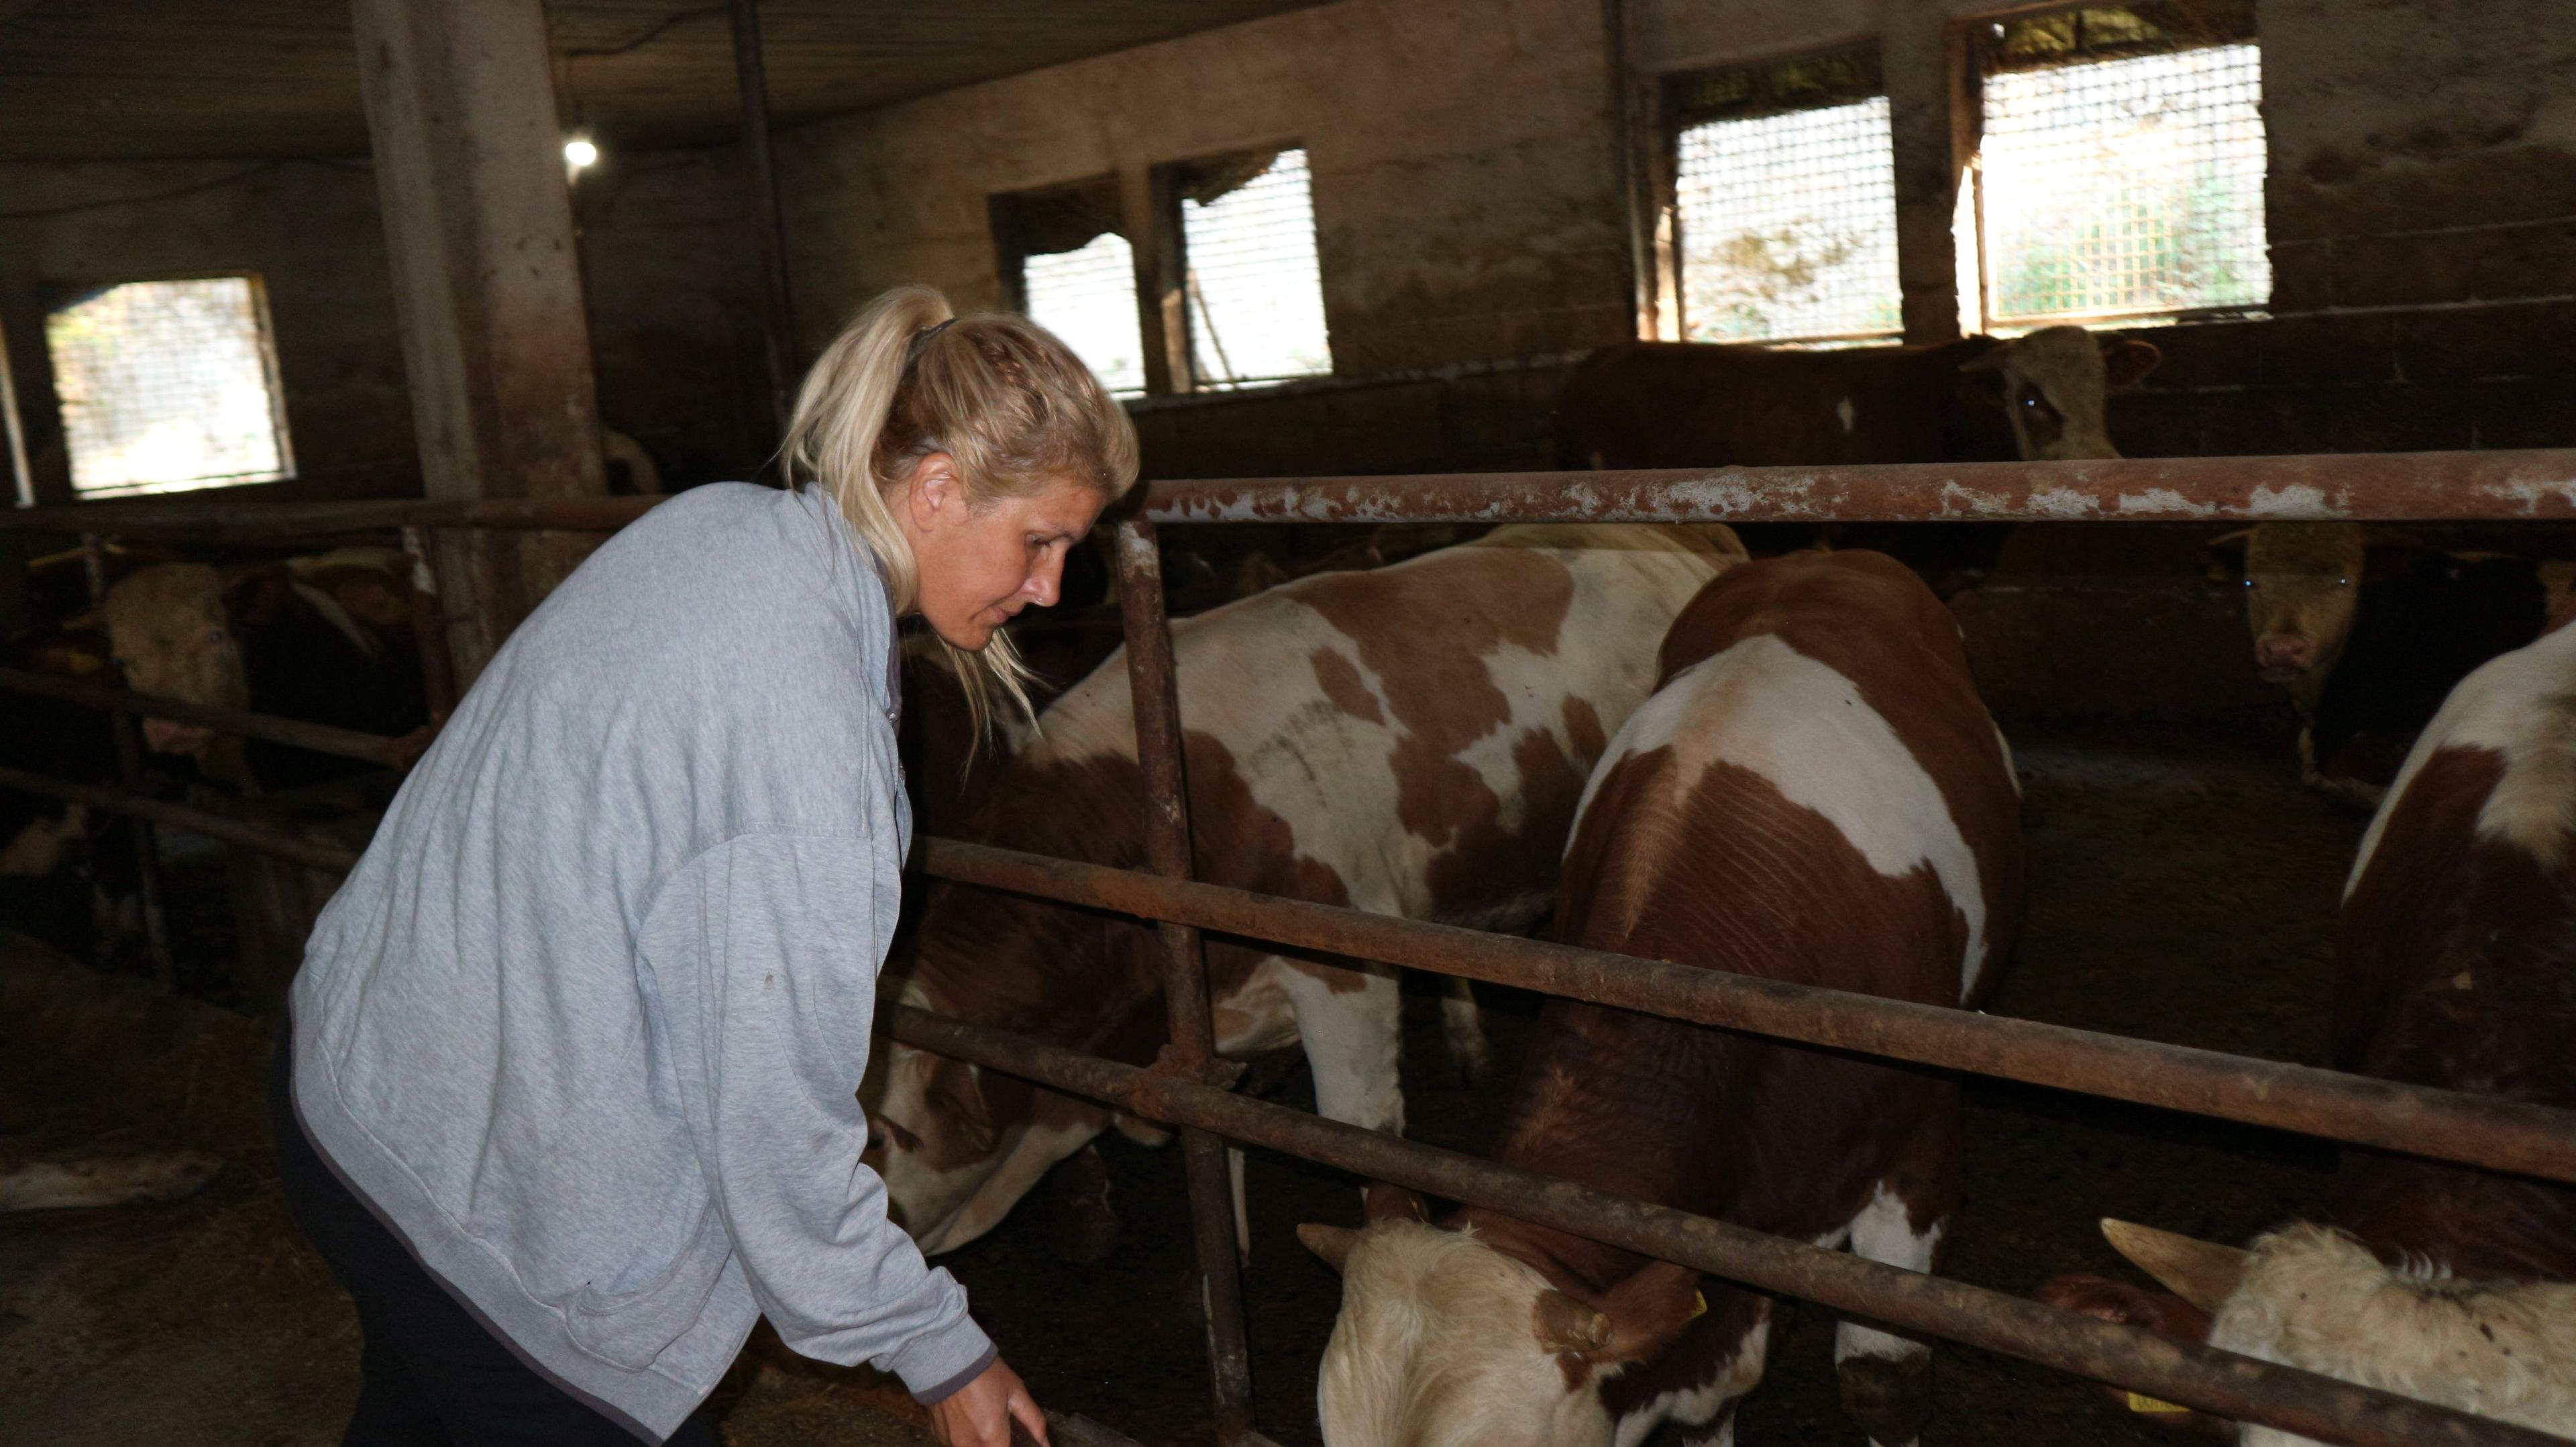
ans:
(1351, 1023)
(1886, 1379)
(1095, 1220)
(1462, 1026)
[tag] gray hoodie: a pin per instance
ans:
(585, 1023)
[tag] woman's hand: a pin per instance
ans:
(980, 1413)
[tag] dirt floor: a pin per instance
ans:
(2182, 890)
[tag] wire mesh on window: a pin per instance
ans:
(2126, 187)
(1087, 296)
(164, 386)
(1788, 227)
(1256, 292)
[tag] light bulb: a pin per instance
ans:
(579, 152)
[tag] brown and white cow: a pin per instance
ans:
(1814, 795)
(2369, 630)
(2455, 967)
(1409, 740)
(326, 639)
(1691, 404)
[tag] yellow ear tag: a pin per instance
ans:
(1699, 1305)
(2140, 1402)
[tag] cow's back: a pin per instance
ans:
(1408, 739)
(2456, 960)
(1691, 404)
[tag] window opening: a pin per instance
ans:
(168, 385)
(2121, 171)
(1785, 203)
(1254, 287)
(1076, 275)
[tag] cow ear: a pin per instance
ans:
(1981, 383)
(1649, 1309)
(2127, 362)
(1333, 1243)
(957, 1096)
(1565, 1323)
(255, 594)
(2200, 1272)
(1383, 1202)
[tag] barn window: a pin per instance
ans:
(1784, 224)
(2121, 171)
(1076, 275)
(169, 385)
(1254, 288)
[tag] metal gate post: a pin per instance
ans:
(429, 626)
(1193, 1049)
(129, 770)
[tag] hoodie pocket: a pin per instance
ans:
(629, 1329)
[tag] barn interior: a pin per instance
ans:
(271, 252)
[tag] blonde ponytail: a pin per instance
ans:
(999, 394)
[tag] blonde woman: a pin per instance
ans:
(568, 1103)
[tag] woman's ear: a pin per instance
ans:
(933, 491)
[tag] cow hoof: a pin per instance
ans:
(1890, 1397)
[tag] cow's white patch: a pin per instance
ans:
(2318, 1300)
(1884, 1232)
(1764, 706)
(1847, 414)
(1028, 1153)
(1698, 1405)
(2521, 705)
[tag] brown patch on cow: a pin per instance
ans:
(1340, 680)
(1443, 698)
(2436, 900)
(1727, 875)
(1871, 619)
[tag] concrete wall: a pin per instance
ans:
(666, 258)
(2422, 207)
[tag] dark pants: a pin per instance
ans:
(432, 1374)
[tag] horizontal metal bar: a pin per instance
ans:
(2371, 486)
(393, 753)
(2173, 1371)
(251, 521)
(179, 816)
(2411, 486)
(2447, 1125)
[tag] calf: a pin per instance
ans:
(1408, 740)
(1688, 404)
(2456, 968)
(325, 639)
(2369, 630)
(1814, 795)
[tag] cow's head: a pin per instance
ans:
(958, 1146)
(2302, 589)
(1443, 1339)
(170, 629)
(2052, 385)
(2317, 1299)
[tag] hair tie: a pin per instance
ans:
(922, 338)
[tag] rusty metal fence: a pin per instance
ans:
(1187, 1088)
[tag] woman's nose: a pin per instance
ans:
(1047, 582)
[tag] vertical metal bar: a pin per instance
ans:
(429, 626)
(1167, 852)
(129, 769)
(752, 77)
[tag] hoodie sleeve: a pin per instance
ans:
(764, 950)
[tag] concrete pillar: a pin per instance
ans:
(487, 286)
(1932, 123)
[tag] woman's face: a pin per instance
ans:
(981, 563)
